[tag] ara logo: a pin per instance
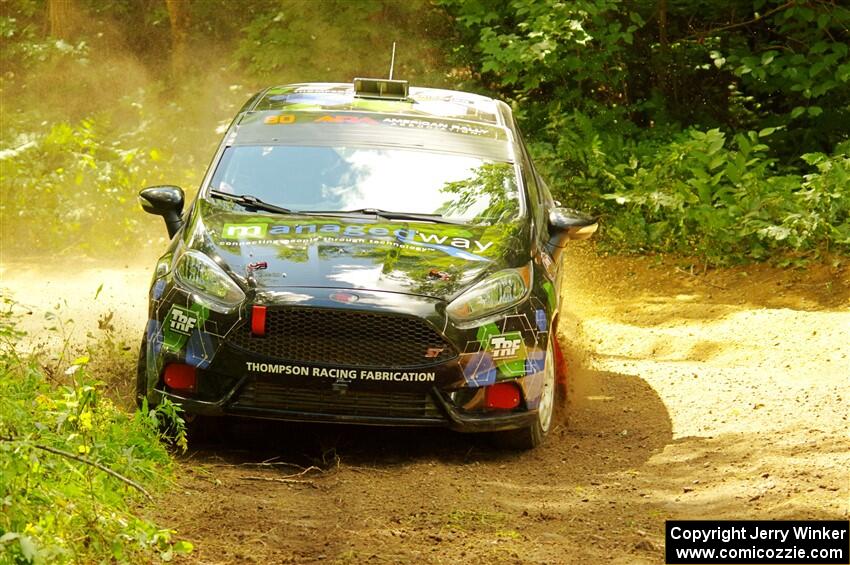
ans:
(241, 231)
(506, 346)
(182, 320)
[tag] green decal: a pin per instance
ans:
(507, 349)
(179, 324)
(550, 294)
(507, 346)
(484, 333)
(243, 231)
(509, 353)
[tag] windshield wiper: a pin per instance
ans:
(250, 201)
(386, 214)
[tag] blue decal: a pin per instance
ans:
(535, 362)
(479, 370)
(533, 385)
(199, 350)
(153, 359)
(447, 249)
(542, 322)
(158, 289)
(154, 335)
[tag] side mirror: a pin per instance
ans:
(567, 224)
(165, 201)
(572, 223)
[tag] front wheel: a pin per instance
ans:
(532, 436)
(142, 373)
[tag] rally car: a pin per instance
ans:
(366, 253)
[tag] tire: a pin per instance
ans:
(141, 373)
(202, 430)
(532, 436)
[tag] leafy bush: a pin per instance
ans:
(703, 193)
(337, 40)
(73, 467)
(59, 185)
(711, 128)
(74, 185)
(725, 200)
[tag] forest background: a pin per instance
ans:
(717, 129)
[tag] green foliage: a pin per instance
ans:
(90, 120)
(658, 116)
(528, 43)
(337, 40)
(60, 183)
(58, 509)
(725, 200)
(21, 43)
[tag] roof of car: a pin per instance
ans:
(331, 114)
(421, 102)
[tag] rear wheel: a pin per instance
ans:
(533, 435)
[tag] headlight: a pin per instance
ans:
(497, 292)
(162, 266)
(212, 287)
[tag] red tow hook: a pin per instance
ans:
(258, 321)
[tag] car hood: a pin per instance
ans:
(273, 251)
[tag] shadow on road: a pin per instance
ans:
(618, 410)
(402, 493)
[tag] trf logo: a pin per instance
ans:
(182, 321)
(506, 346)
(239, 231)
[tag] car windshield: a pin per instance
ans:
(338, 179)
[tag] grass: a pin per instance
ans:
(75, 467)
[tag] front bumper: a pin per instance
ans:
(444, 415)
(241, 375)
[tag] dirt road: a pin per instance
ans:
(718, 396)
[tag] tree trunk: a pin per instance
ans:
(178, 15)
(62, 17)
(665, 62)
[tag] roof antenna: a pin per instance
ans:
(392, 62)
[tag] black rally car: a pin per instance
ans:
(366, 253)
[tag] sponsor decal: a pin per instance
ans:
(281, 119)
(346, 120)
(180, 323)
(460, 247)
(449, 125)
(240, 231)
(506, 347)
(452, 127)
(182, 320)
(351, 374)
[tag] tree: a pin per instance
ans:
(62, 16)
(178, 15)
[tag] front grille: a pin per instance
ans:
(275, 396)
(347, 338)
